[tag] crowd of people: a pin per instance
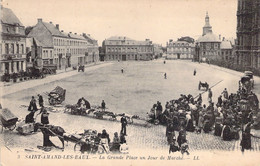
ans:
(93, 142)
(230, 115)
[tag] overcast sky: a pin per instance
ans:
(158, 20)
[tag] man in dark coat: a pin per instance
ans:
(32, 106)
(87, 104)
(210, 95)
(159, 110)
(123, 124)
(219, 104)
(44, 116)
(194, 72)
(103, 105)
(246, 137)
(40, 100)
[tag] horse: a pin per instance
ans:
(51, 130)
(204, 85)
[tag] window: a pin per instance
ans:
(17, 48)
(6, 48)
(22, 49)
(12, 48)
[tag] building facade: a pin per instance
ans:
(157, 51)
(179, 50)
(248, 34)
(123, 48)
(226, 50)
(13, 40)
(63, 49)
(93, 50)
(208, 45)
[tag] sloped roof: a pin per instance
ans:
(8, 17)
(209, 37)
(91, 38)
(76, 36)
(71, 35)
(53, 30)
(225, 45)
(38, 43)
(30, 40)
(119, 38)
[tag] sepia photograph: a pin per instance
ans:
(130, 82)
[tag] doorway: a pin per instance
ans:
(123, 57)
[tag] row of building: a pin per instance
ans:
(206, 48)
(45, 45)
(240, 54)
(121, 48)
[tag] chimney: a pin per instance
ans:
(39, 19)
(75, 33)
(58, 26)
(219, 37)
(147, 39)
(223, 39)
(50, 22)
(84, 34)
(62, 31)
(70, 32)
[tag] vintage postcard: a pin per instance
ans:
(134, 82)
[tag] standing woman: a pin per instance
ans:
(246, 137)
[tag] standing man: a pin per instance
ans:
(123, 125)
(210, 95)
(103, 105)
(40, 100)
(32, 106)
(122, 70)
(194, 72)
(225, 93)
(165, 76)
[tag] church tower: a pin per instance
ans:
(207, 28)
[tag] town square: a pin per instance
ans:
(127, 93)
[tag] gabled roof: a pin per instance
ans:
(8, 17)
(53, 30)
(225, 45)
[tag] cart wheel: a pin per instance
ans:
(51, 101)
(77, 147)
(11, 128)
